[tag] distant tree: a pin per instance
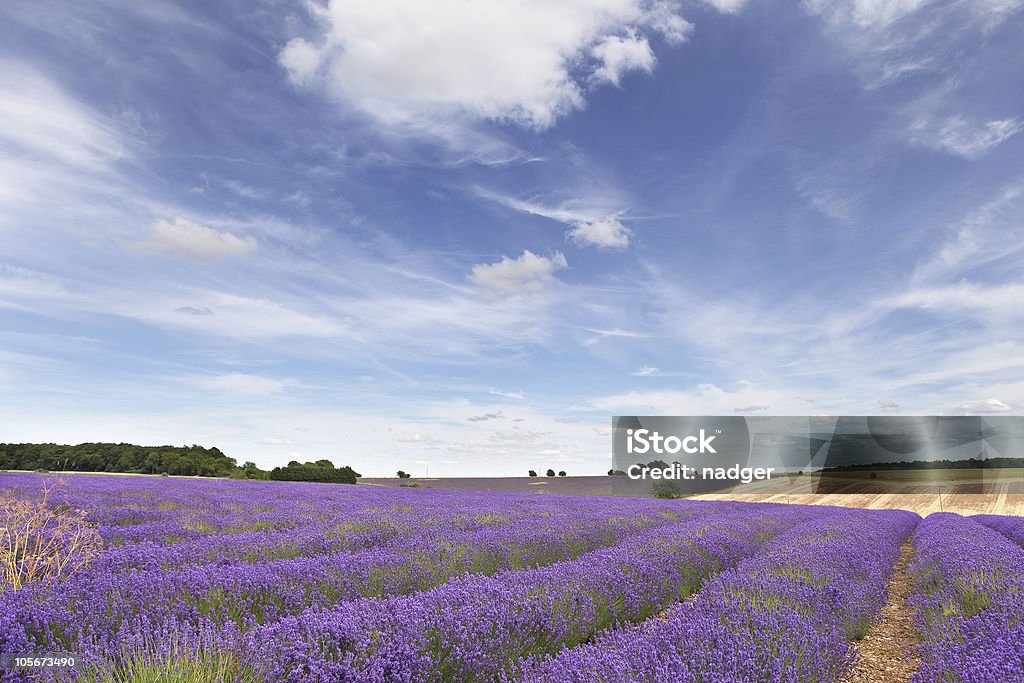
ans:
(666, 488)
(550, 472)
(657, 465)
(404, 475)
(533, 473)
(319, 471)
(561, 473)
(613, 473)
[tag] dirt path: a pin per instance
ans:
(883, 652)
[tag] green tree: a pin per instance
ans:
(666, 488)
(550, 472)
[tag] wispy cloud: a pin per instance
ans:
(486, 416)
(517, 395)
(988, 406)
(240, 383)
(957, 136)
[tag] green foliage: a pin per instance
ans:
(117, 457)
(176, 668)
(413, 485)
(404, 475)
(533, 473)
(550, 473)
(666, 488)
(322, 471)
(561, 473)
(615, 473)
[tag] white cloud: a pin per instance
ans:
(185, 239)
(619, 55)
(888, 406)
(486, 416)
(957, 136)
(992, 405)
(240, 383)
(1000, 301)
(409, 62)
(518, 395)
(38, 118)
(864, 13)
(993, 233)
(526, 274)
(727, 6)
(606, 234)
(645, 371)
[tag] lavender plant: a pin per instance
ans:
(969, 601)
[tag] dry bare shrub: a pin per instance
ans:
(37, 541)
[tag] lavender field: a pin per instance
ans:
(217, 580)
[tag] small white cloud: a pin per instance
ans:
(518, 395)
(957, 136)
(645, 371)
(750, 409)
(606, 234)
(301, 60)
(486, 416)
(992, 405)
(526, 274)
(185, 239)
(619, 55)
(275, 441)
(239, 383)
(567, 420)
(888, 406)
(727, 6)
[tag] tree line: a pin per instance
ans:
(970, 463)
(188, 461)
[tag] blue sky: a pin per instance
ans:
(460, 236)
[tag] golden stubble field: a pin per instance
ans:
(965, 491)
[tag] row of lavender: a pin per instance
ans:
(358, 584)
(969, 599)
(785, 614)
(139, 599)
(231, 572)
(478, 628)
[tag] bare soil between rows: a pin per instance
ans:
(888, 653)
